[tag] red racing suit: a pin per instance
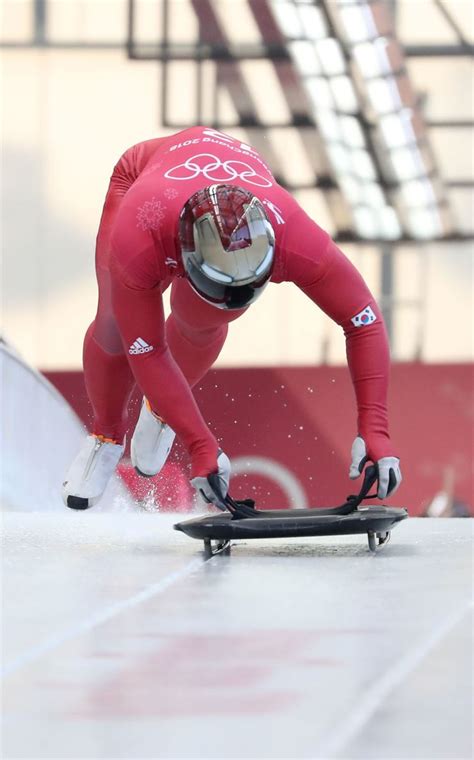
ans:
(138, 257)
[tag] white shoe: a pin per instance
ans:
(151, 442)
(90, 472)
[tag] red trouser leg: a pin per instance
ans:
(108, 377)
(109, 384)
(193, 357)
(195, 331)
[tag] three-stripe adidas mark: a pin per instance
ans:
(140, 346)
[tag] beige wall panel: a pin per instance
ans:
(449, 303)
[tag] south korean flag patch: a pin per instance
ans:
(364, 317)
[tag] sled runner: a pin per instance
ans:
(243, 520)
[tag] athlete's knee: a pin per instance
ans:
(105, 333)
(194, 333)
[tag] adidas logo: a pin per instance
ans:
(139, 346)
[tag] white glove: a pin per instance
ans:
(214, 487)
(389, 474)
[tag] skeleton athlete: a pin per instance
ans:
(201, 212)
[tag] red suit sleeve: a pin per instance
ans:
(136, 286)
(321, 270)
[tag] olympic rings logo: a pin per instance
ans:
(216, 170)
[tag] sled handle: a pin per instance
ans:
(246, 508)
(371, 475)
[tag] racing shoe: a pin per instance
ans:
(90, 472)
(151, 442)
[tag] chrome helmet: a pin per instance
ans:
(227, 245)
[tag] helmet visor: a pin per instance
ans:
(221, 294)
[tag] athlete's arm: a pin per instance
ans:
(321, 270)
(138, 308)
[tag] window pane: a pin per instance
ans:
(87, 21)
(446, 84)
(16, 20)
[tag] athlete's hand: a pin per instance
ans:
(389, 473)
(214, 487)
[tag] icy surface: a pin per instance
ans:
(120, 641)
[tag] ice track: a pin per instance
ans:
(119, 641)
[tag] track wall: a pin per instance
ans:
(39, 436)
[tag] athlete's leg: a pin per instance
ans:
(195, 331)
(109, 383)
(108, 378)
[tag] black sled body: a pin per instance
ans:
(292, 523)
(243, 521)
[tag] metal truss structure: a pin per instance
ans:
(286, 49)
